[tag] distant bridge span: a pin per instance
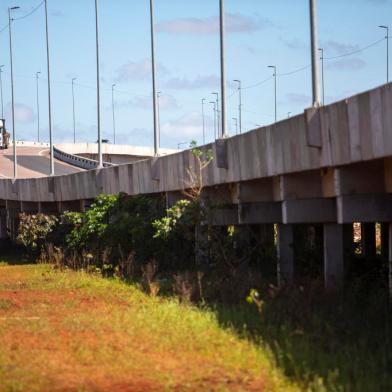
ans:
(331, 165)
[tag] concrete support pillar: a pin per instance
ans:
(3, 224)
(333, 256)
(267, 234)
(385, 240)
(348, 238)
(368, 239)
(285, 250)
(390, 261)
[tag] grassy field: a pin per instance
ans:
(68, 331)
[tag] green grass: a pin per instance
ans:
(73, 331)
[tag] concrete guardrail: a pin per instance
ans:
(78, 161)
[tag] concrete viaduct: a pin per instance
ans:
(331, 165)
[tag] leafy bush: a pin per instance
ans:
(34, 229)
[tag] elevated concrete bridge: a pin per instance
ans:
(331, 165)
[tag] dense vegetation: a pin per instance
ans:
(335, 341)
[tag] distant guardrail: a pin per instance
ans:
(78, 161)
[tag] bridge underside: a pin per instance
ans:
(329, 167)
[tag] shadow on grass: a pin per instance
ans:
(341, 341)
(12, 254)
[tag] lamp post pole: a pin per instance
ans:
(239, 103)
(49, 93)
(214, 109)
(314, 56)
(73, 110)
(236, 125)
(12, 89)
(223, 69)
(276, 110)
(217, 111)
(1, 91)
(322, 73)
(100, 160)
(386, 28)
(154, 93)
(114, 117)
(37, 88)
(202, 115)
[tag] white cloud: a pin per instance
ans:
(300, 99)
(235, 23)
(187, 126)
(23, 114)
(353, 64)
(338, 47)
(188, 84)
(137, 71)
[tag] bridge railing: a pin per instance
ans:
(78, 161)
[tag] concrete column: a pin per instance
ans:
(267, 234)
(201, 245)
(285, 250)
(333, 256)
(385, 240)
(3, 224)
(348, 238)
(368, 239)
(390, 261)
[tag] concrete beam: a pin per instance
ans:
(254, 191)
(333, 256)
(225, 216)
(257, 213)
(303, 185)
(309, 211)
(285, 252)
(364, 208)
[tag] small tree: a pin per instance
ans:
(34, 229)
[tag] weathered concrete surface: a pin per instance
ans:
(354, 130)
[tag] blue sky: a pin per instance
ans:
(259, 33)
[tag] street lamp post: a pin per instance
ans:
(100, 160)
(274, 75)
(214, 109)
(217, 111)
(114, 118)
(1, 91)
(153, 67)
(12, 88)
(202, 115)
(236, 125)
(223, 68)
(314, 47)
(159, 93)
(322, 73)
(387, 39)
(49, 94)
(73, 110)
(37, 88)
(239, 103)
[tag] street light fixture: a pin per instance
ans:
(12, 89)
(239, 102)
(387, 39)
(322, 72)
(114, 118)
(73, 109)
(153, 67)
(274, 75)
(49, 95)
(214, 109)
(223, 69)
(217, 111)
(159, 93)
(288, 114)
(100, 160)
(202, 115)
(235, 124)
(1, 91)
(37, 88)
